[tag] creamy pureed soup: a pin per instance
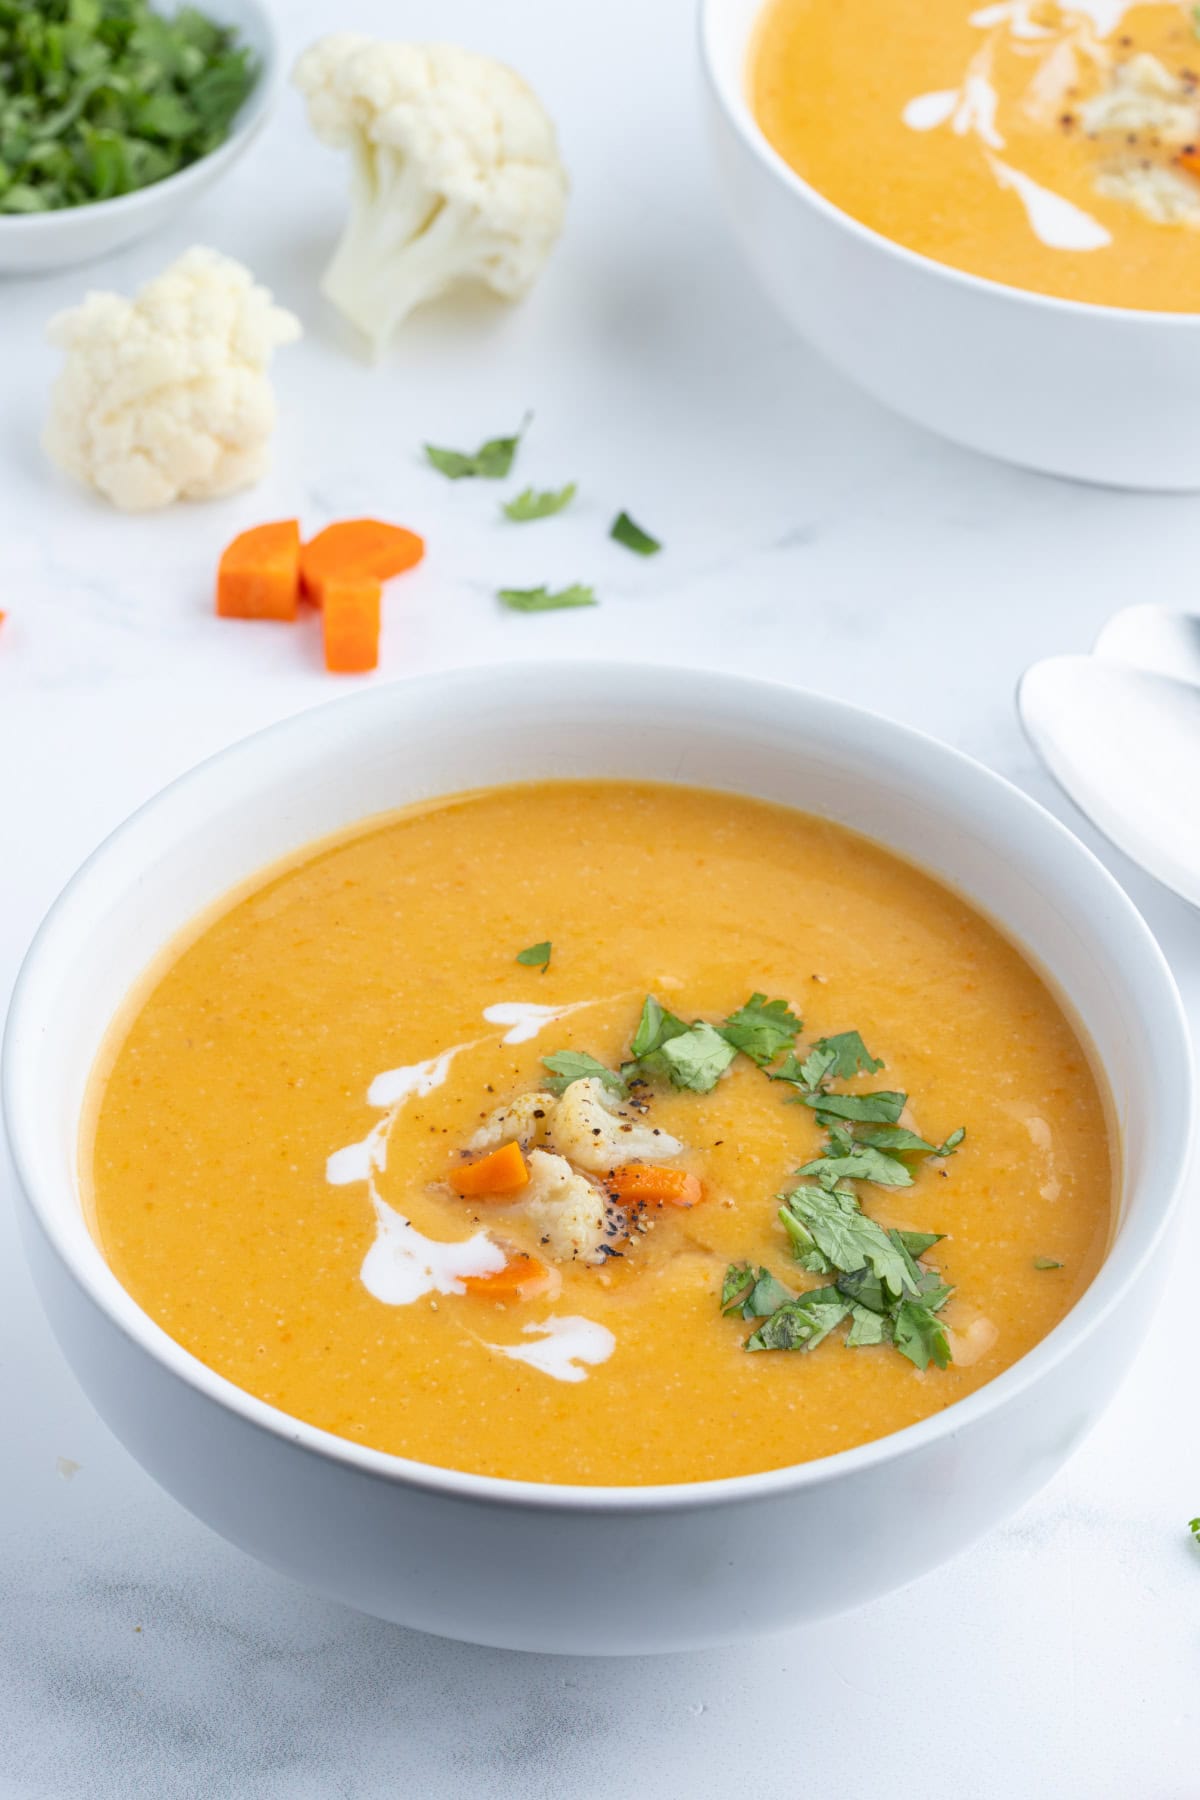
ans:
(1048, 147)
(588, 1132)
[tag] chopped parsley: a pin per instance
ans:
(541, 599)
(537, 956)
(626, 532)
(566, 1066)
(491, 462)
(762, 1029)
(535, 504)
(98, 100)
(1046, 1262)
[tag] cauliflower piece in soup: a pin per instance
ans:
(592, 1128)
(527, 1119)
(568, 1212)
(166, 397)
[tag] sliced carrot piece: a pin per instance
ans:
(350, 621)
(502, 1172)
(357, 548)
(258, 576)
(1189, 159)
(644, 1184)
(521, 1276)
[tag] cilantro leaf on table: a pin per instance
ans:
(534, 504)
(491, 462)
(543, 599)
(625, 531)
(762, 1029)
(566, 1066)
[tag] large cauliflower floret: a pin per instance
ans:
(596, 1132)
(456, 174)
(166, 397)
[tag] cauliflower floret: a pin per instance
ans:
(166, 396)
(527, 1119)
(569, 1214)
(455, 174)
(595, 1131)
(1164, 195)
(1144, 96)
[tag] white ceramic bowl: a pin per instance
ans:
(32, 243)
(619, 1569)
(1096, 392)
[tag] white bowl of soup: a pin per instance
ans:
(516, 1149)
(987, 215)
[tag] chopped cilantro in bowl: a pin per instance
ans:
(100, 99)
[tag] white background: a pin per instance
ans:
(810, 537)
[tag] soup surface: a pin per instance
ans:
(1048, 147)
(287, 1126)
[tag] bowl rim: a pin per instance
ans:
(85, 1263)
(727, 88)
(248, 121)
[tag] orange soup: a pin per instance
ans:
(593, 1132)
(1052, 147)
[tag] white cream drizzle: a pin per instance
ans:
(1055, 222)
(564, 1344)
(403, 1264)
(970, 111)
(525, 1019)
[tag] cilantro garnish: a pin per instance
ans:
(535, 504)
(1196, 21)
(861, 1162)
(537, 956)
(801, 1324)
(665, 1047)
(752, 1292)
(1046, 1262)
(491, 462)
(541, 599)
(848, 1239)
(883, 1108)
(918, 1334)
(633, 537)
(1194, 1524)
(761, 1029)
(566, 1066)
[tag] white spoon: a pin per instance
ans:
(1124, 744)
(1152, 638)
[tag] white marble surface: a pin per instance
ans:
(810, 536)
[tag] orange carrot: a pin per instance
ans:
(521, 1276)
(357, 548)
(1189, 159)
(259, 573)
(494, 1176)
(641, 1184)
(351, 625)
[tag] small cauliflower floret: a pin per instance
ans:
(527, 1119)
(569, 1214)
(166, 397)
(595, 1131)
(1144, 97)
(1164, 195)
(455, 174)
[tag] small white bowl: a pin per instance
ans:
(1100, 393)
(617, 1569)
(32, 243)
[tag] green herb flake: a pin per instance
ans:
(541, 599)
(101, 99)
(491, 462)
(1196, 21)
(849, 1054)
(848, 1239)
(802, 1323)
(918, 1334)
(754, 1293)
(1194, 1528)
(566, 1066)
(882, 1108)
(697, 1058)
(535, 504)
(860, 1163)
(626, 532)
(537, 956)
(762, 1029)
(1046, 1262)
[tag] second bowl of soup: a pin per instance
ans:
(988, 215)
(507, 1206)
